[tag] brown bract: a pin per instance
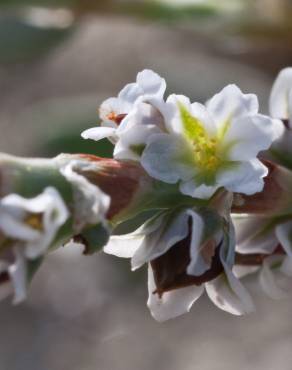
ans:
(273, 197)
(170, 269)
(120, 180)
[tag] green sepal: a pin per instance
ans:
(93, 238)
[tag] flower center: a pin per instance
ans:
(205, 148)
(34, 221)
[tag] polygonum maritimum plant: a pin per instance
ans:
(200, 192)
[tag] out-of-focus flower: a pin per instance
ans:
(188, 251)
(281, 107)
(33, 223)
(13, 275)
(90, 203)
(212, 146)
(269, 244)
(113, 111)
(281, 96)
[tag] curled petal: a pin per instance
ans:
(173, 303)
(162, 239)
(127, 245)
(124, 246)
(251, 135)
(151, 83)
(99, 133)
(91, 203)
(227, 293)
(245, 177)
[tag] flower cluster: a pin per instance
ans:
(199, 192)
(212, 154)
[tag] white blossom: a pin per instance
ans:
(114, 111)
(33, 223)
(161, 233)
(90, 202)
(211, 146)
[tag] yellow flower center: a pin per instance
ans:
(205, 148)
(34, 221)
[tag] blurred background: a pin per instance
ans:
(59, 59)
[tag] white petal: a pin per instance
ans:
(123, 246)
(253, 236)
(164, 160)
(200, 112)
(250, 135)
(16, 229)
(18, 276)
(172, 113)
(227, 293)
(284, 235)
(231, 103)
(151, 83)
(126, 245)
(268, 281)
(99, 133)
(173, 303)
(173, 229)
(55, 215)
(191, 188)
(245, 178)
(197, 265)
(14, 210)
(135, 131)
(279, 99)
(91, 204)
(129, 94)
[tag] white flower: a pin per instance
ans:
(13, 276)
(141, 123)
(212, 146)
(281, 96)
(193, 246)
(113, 111)
(33, 223)
(258, 236)
(90, 203)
